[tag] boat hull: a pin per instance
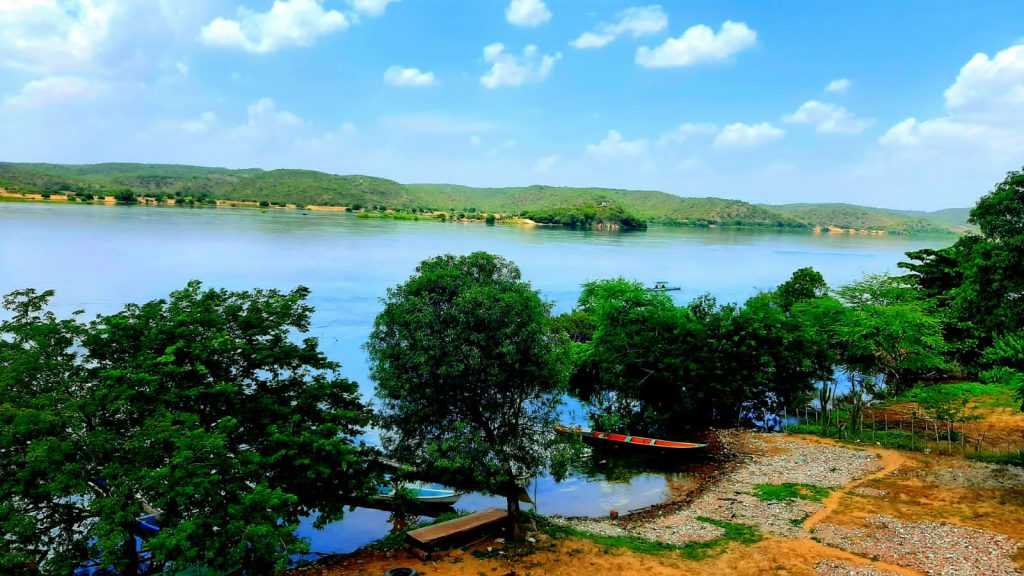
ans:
(609, 439)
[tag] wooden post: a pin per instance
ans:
(873, 426)
(911, 429)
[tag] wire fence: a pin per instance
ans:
(908, 429)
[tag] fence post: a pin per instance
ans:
(911, 429)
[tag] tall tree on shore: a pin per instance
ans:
(470, 374)
(201, 409)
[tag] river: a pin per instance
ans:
(99, 258)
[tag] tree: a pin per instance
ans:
(469, 374)
(804, 284)
(201, 409)
(886, 328)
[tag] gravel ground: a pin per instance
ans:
(868, 491)
(980, 475)
(929, 547)
(779, 461)
(837, 568)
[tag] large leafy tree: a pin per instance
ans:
(469, 373)
(651, 367)
(202, 409)
(887, 328)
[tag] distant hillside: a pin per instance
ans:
(654, 206)
(866, 218)
(308, 188)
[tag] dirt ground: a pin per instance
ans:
(908, 513)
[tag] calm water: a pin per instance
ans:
(101, 257)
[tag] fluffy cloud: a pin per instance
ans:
(201, 124)
(636, 22)
(686, 132)
(287, 23)
(839, 85)
(698, 45)
(267, 122)
(50, 35)
(507, 69)
(827, 118)
(740, 134)
(527, 12)
(615, 145)
(984, 114)
(55, 90)
(408, 77)
(371, 7)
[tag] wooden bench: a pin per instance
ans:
(431, 537)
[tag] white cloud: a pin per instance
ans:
(507, 69)
(527, 12)
(52, 35)
(636, 21)
(475, 140)
(287, 23)
(686, 132)
(740, 134)
(371, 8)
(199, 125)
(409, 77)
(698, 45)
(266, 121)
(425, 123)
(840, 85)
(990, 87)
(547, 163)
(984, 114)
(54, 90)
(615, 145)
(827, 118)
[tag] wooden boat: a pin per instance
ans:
(662, 286)
(623, 439)
(421, 493)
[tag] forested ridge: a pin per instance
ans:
(197, 184)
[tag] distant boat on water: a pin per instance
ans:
(662, 286)
(421, 493)
(623, 439)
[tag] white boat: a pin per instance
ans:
(421, 493)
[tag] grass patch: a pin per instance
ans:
(396, 540)
(992, 395)
(789, 490)
(694, 551)
(1011, 458)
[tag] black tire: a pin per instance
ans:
(402, 572)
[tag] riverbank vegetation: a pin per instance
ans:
(192, 185)
(216, 413)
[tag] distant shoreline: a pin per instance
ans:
(434, 216)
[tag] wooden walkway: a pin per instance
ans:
(432, 536)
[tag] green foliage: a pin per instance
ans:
(805, 284)
(201, 408)
(693, 551)
(587, 216)
(469, 374)
(644, 365)
(790, 491)
(984, 395)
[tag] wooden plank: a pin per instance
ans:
(431, 535)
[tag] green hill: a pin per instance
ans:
(650, 205)
(867, 218)
(308, 187)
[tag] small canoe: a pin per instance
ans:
(420, 493)
(629, 440)
(662, 286)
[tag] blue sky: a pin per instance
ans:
(899, 104)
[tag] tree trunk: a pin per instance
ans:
(131, 555)
(515, 525)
